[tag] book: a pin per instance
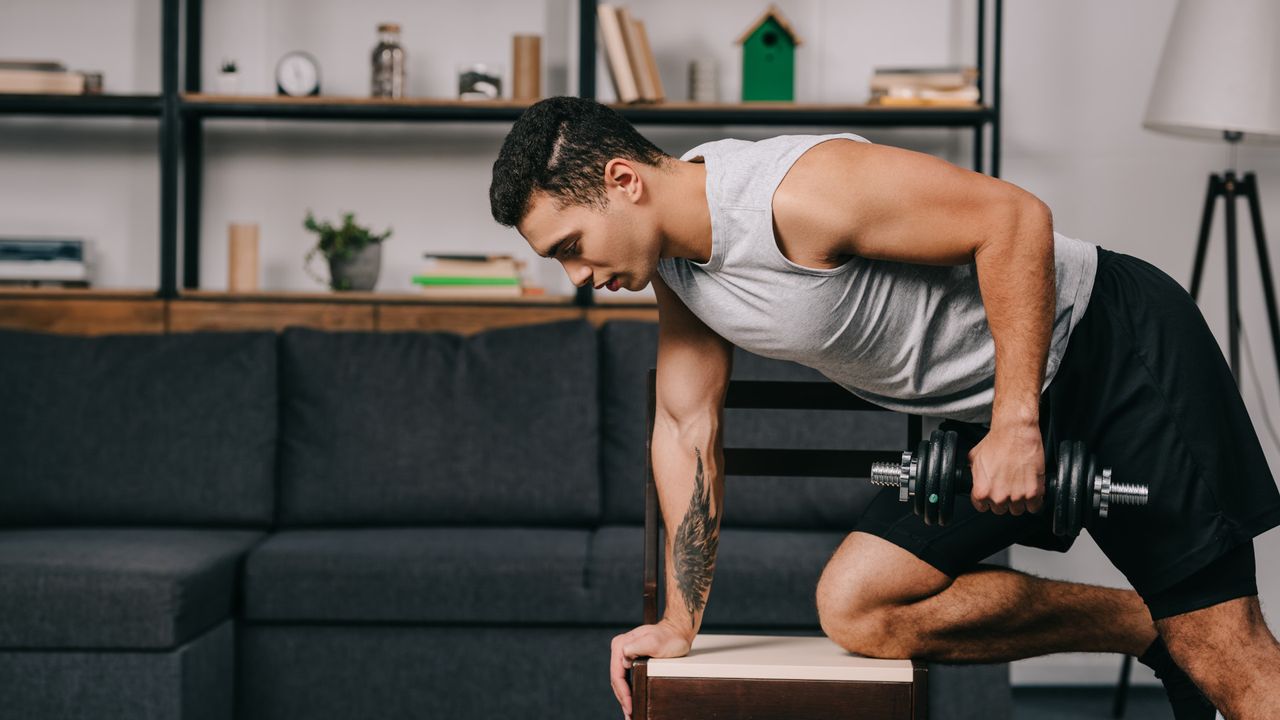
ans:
(938, 77)
(906, 97)
(921, 102)
(447, 280)
(41, 82)
(497, 266)
(659, 94)
(465, 256)
(614, 45)
(42, 65)
(471, 291)
(635, 55)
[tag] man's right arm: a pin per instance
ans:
(694, 364)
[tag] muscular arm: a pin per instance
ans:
(848, 198)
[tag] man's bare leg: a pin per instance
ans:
(879, 600)
(1231, 654)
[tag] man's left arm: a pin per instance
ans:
(888, 203)
(1016, 274)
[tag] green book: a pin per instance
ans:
(456, 280)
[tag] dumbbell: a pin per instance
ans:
(1081, 493)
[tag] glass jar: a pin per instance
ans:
(388, 63)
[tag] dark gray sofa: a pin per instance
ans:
(373, 525)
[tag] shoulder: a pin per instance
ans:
(806, 215)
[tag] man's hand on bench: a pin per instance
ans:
(660, 640)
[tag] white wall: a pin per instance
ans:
(1076, 81)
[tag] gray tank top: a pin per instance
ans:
(907, 337)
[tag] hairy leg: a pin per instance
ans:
(879, 600)
(1231, 654)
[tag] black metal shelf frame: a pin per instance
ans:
(181, 122)
(99, 105)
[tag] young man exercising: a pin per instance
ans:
(930, 289)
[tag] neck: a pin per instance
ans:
(686, 219)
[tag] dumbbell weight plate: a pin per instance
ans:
(947, 476)
(1072, 485)
(931, 479)
(1080, 487)
(922, 468)
(1060, 489)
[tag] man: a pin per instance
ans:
(924, 288)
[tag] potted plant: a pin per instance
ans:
(354, 253)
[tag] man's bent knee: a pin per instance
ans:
(864, 582)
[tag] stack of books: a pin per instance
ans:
(459, 276)
(625, 45)
(949, 86)
(39, 77)
(58, 262)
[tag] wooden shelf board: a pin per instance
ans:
(56, 293)
(357, 100)
(367, 297)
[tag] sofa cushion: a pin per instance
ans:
(519, 575)
(629, 349)
(763, 576)
(137, 429)
(122, 588)
(411, 427)
(439, 574)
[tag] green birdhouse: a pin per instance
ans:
(769, 58)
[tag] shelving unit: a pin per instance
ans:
(182, 112)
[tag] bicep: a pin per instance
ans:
(694, 363)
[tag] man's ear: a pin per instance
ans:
(620, 174)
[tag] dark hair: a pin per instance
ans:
(560, 146)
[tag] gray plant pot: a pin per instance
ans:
(359, 272)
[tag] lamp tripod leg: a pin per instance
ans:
(1250, 190)
(1206, 221)
(1233, 285)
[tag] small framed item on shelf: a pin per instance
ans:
(297, 75)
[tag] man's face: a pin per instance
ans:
(596, 245)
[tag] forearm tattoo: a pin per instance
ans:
(693, 550)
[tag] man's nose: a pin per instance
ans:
(579, 274)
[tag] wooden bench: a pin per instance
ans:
(769, 677)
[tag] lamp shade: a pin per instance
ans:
(1219, 71)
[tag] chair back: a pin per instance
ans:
(766, 395)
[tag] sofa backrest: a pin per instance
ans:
(383, 428)
(137, 429)
(629, 348)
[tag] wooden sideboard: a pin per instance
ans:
(98, 312)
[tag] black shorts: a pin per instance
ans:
(1144, 384)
